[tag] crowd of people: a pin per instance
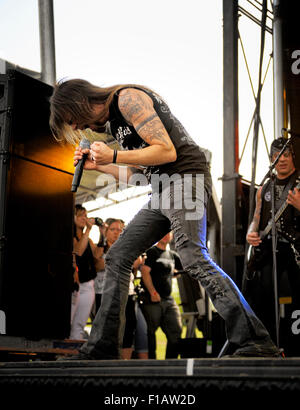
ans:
(147, 307)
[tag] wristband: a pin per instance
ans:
(115, 156)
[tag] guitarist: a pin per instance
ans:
(259, 289)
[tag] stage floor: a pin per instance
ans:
(152, 382)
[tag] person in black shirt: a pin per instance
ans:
(156, 144)
(159, 306)
(258, 284)
(86, 253)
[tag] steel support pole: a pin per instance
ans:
(257, 114)
(47, 43)
(278, 71)
(230, 137)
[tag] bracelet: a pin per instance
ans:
(115, 156)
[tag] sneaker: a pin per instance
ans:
(258, 350)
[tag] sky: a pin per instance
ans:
(174, 47)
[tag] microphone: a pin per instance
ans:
(289, 132)
(84, 143)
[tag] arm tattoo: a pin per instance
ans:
(256, 217)
(132, 105)
(154, 130)
(148, 119)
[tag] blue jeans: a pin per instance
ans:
(141, 334)
(151, 223)
(164, 314)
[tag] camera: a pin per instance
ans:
(98, 221)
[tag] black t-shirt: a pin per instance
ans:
(162, 264)
(190, 158)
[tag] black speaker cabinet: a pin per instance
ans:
(36, 213)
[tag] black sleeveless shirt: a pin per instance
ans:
(86, 265)
(190, 158)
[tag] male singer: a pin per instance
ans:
(156, 143)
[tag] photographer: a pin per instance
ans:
(86, 253)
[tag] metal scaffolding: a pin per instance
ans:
(261, 13)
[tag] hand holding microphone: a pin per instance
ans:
(80, 156)
(88, 156)
(102, 154)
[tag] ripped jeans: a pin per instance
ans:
(171, 210)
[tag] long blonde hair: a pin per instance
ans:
(72, 101)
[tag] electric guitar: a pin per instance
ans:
(278, 214)
(257, 253)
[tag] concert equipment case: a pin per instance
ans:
(36, 213)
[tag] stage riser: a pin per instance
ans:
(194, 377)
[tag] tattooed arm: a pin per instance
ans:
(252, 234)
(137, 109)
